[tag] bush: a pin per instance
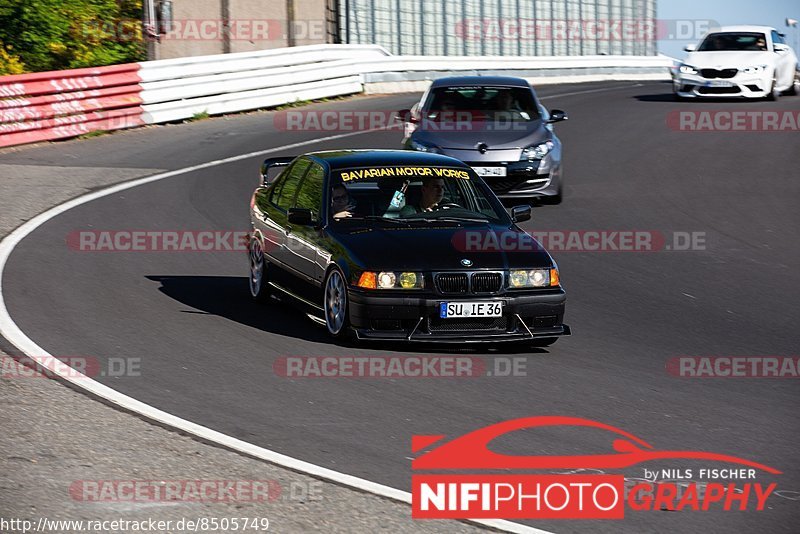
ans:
(9, 63)
(67, 34)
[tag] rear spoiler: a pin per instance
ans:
(274, 162)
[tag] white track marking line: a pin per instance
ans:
(10, 331)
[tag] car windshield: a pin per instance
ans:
(736, 41)
(412, 195)
(481, 104)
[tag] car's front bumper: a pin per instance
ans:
(523, 179)
(416, 318)
(741, 86)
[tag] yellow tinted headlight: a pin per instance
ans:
(410, 280)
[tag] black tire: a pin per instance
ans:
(559, 197)
(543, 342)
(336, 305)
(258, 279)
(795, 88)
(553, 200)
(772, 96)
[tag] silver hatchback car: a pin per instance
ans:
(496, 125)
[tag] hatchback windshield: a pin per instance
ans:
(413, 194)
(736, 41)
(483, 103)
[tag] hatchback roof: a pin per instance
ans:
(460, 81)
(345, 159)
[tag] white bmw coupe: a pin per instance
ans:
(738, 61)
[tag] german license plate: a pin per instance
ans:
(719, 83)
(448, 310)
(490, 171)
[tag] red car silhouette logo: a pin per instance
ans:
(471, 451)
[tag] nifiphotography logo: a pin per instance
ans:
(574, 495)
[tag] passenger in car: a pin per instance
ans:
(341, 204)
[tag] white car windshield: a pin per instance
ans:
(481, 104)
(413, 193)
(734, 41)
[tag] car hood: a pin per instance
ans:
(426, 248)
(496, 137)
(729, 59)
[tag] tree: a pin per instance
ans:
(41, 35)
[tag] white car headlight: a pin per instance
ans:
(391, 280)
(687, 69)
(536, 151)
(530, 278)
(755, 69)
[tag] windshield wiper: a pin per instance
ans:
(404, 222)
(451, 218)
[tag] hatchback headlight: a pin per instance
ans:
(687, 69)
(424, 147)
(536, 151)
(525, 278)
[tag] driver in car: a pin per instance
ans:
(432, 193)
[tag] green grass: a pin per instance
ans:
(290, 105)
(199, 116)
(94, 133)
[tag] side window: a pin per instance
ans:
(284, 191)
(310, 194)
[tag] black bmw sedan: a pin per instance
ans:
(398, 245)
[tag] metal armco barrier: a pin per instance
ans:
(57, 105)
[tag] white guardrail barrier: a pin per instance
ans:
(61, 104)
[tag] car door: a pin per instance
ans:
(785, 64)
(273, 221)
(303, 241)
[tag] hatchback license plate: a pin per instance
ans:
(490, 171)
(448, 310)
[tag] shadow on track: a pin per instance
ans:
(228, 297)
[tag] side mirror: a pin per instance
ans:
(689, 48)
(557, 115)
(300, 216)
(521, 213)
(780, 47)
(271, 163)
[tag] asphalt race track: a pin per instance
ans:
(207, 351)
